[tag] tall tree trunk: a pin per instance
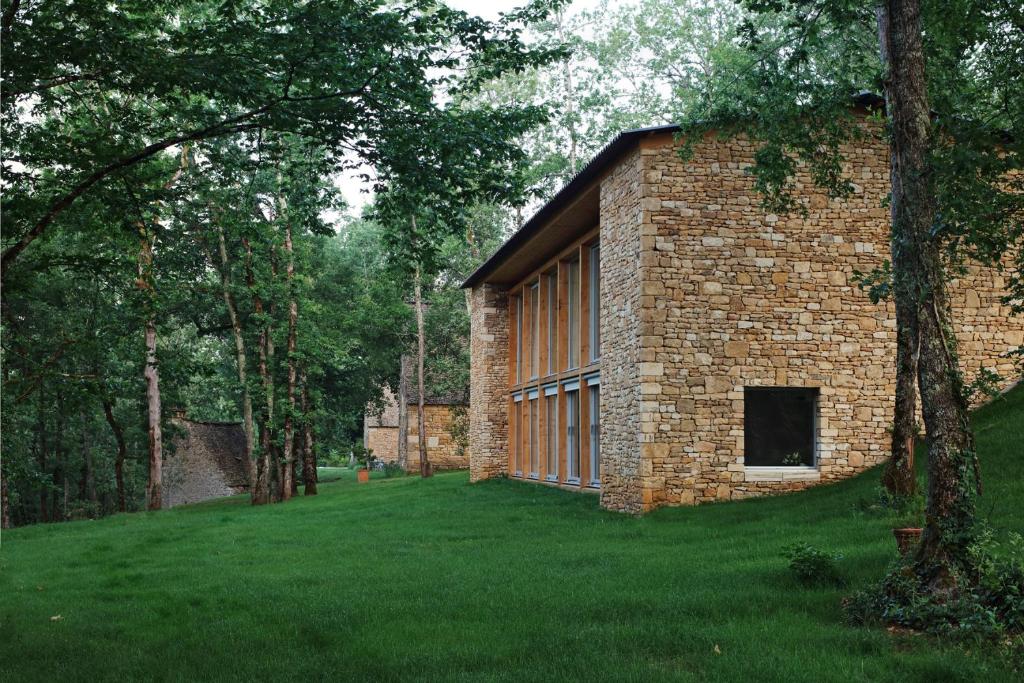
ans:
(403, 413)
(88, 483)
(898, 477)
(261, 485)
(570, 104)
(122, 450)
(952, 463)
(308, 454)
(240, 356)
(275, 450)
(44, 509)
(5, 506)
(154, 487)
(425, 468)
(293, 318)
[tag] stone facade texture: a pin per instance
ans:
(207, 460)
(443, 421)
(705, 293)
(488, 382)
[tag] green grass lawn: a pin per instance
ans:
(442, 580)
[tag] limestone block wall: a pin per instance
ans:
(625, 475)
(383, 441)
(734, 297)
(443, 451)
(488, 383)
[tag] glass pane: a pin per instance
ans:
(573, 333)
(519, 339)
(552, 320)
(534, 329)
(595, 303)
(779, 426)
(572, 437)
(534, 438)
(595, 434)
(517, 437)
(551, 420)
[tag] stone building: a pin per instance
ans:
(207, 460)
(444, 417)
(653, 335)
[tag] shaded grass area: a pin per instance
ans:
(438, 579)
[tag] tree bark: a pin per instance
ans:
(44, 510)
(5, 508)
(899, 477)
(261, 486)
(308, 454)
(122, 450)
(154, 487)
(425, 468)
(293, 317)
(403, 413)
(952, 463)
(241, 359)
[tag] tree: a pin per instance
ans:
(953, 130)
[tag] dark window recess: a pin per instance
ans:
(779, 426)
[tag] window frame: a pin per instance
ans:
(574, 310)
(814, 396)
(594, 414)
(594, 295)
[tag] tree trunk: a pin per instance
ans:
(952, 463)
(88, 482)
(403, 414)
(154, 488)
(293, 317)
(44, 510)
(261, 486)
(5, 512)
(899, 477)
(425, 469)
(275, 452)
(122, 450)
(240, 356)
(308, 454)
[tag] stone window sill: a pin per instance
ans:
(799, 473)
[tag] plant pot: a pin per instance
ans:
(363, 475)
(907, 539)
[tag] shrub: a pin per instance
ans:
(813, 567)
(989, 604)
(393, 469)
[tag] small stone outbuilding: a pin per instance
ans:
(446, 431)
(207, 460)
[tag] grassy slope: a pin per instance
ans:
(438, 579)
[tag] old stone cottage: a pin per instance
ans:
(653, 335)
(445, 421)
(207, 460)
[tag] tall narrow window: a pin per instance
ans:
(517, 436)
(573, 317)
(595, 302)
(551, 423)
(519, 339)
(595, 435)
(552, 320)
(534, 437)
(572, 435)
(534, 329)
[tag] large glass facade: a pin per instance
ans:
(595, 434)
(595, 303)
(551, 427)
(572, 435)
(573, 314)
(534, 329)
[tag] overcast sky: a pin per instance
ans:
(351, 186)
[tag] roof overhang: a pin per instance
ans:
(569, 214)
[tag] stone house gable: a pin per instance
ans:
(714, 317)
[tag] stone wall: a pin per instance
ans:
(488, 383)
(442, 450)
(383, 441)
(622, 485)
(206, 460)
(734, 297)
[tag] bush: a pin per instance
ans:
(813, 567)
(393, 469)
(989, 604)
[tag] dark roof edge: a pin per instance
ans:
(610, 153)
(607, 155)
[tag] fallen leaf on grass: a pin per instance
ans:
(56, 617)
(717, 651)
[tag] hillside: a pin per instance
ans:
(438, 579)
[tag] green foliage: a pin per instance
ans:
(813, 567)
(988, 603)
(392, 470)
